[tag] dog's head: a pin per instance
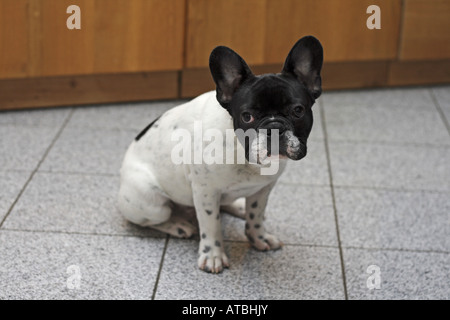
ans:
(272, 105)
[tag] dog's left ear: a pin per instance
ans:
(229, 71)
(304, 61)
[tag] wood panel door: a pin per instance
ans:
(339, 25)
(263, 31)
(116, 36)
(14, 38)
(234, 23)
(426, 30)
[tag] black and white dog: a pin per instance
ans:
(157, 189)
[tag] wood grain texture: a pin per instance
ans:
(76, 90)
(339, 25)
(359, 74)
(116, 36)
(263, 31)
(139, 35)
(405, 73)
(426, 30)
(234, 23)
(14, 38)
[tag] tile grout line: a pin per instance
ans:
(333, 198)
(237, 241)
(47, 151)
(390, 189)
(161, 263)
(399, 249)
(287, 183)
(439, 110)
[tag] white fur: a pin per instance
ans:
(150, 181)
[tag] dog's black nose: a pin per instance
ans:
(275, 125)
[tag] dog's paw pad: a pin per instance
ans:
(213, 261)
(265, 242)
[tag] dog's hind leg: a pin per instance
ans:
(144, 205)
(237, 208)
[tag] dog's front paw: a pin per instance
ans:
(212, 259)
(264, 242)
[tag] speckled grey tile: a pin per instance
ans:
(295, 272)
(10, 185)
(88, 151)
(41, 117)
(134, 116)
(312, 169)
(400, 274)
(71, 266)
(390, 166)
(22, 147)
(414, 220)
(72, 203)
(410, 98)
(295, 214)
(382, 123)
(442, 94)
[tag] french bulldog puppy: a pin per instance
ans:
(158, 189)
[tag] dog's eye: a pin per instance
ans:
(247, 117)
(299, 111)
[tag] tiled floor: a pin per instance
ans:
(365, 216)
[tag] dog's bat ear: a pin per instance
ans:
(229, 71)
(304, 61)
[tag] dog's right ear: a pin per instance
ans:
(229, 71)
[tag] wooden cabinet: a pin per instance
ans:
(234, 23)
(264, 31)
(14, 38)
(426, 30)
(160, 48)
(340, 26)
(116, 36)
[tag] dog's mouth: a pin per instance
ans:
(272, 147)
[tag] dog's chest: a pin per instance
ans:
(235, 181)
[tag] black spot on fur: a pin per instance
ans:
(203, 235)
(209, 212)
(250, 238)
(139, 136)
(247, 226)
(260, 237)
(255, 204)
(252, 216)
(257, 226)
(206, 249)
(181, 232)
(217, 243)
